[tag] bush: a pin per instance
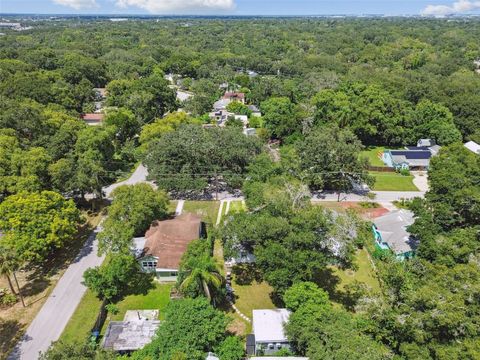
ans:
(404, 172)
(6, 298)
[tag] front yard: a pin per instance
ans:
(392, 181)
(208, 210)
(84, 317)
(373, 154)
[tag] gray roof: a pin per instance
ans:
(398, 159)
(129, 335)
(253, 108)
(221, 104)
(392, 228)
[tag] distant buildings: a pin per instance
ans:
(220, 114)
(14, 26)
(93, 119)
(268, 331)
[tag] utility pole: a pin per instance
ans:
(19, 290)
(216, 186)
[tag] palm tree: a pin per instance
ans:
(206, 275)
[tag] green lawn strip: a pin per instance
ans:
(371, 153)
(236, 206)
(83, 319)
(392, 181)
(208, 210)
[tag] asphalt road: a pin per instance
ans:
(380, 196)
(49, 323)
(139, 176)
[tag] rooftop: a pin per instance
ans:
(473, 146)
(268, 325)
(167, 240)
(392, 228)
(129, 335)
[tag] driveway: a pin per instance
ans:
(49, 323)
(139, 176)
(420, 180)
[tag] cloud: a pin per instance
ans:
(78, 4)
(458, 7)
(185, 6)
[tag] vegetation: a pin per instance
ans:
(192, 327)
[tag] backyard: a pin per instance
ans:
(83, 320)
(373, 154)
(208, 210)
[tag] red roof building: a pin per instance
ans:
(93, 118)
(234, 96)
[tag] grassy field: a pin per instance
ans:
(371, 153)
(208, 210)
(392, 181)
(236, 206)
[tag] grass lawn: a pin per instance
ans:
(392, 181)
(371, 153)
(365, 273)
(236, 207)
(253, 296)
(156, 299)
(208, 210)
(83, 319)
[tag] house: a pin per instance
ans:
(135, 331)
(412, 157)
(473, 146)
(390, 232)
(250, 131)
(255, 111)
(220, 104)
(93, 119)
(100, 93)
(165, 242)
(234, 96)
(268, 329)
(212, 356)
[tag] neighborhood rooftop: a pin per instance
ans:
(129, 335)
(268, 325)
(473, 146)
(392, 228)
(168, 240)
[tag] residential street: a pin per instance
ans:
(49, 323)
(380, 196)
(138, 176)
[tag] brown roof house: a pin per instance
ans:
(165, 242)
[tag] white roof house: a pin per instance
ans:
(268, 325)
(473, 146)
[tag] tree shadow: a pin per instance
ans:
(328, 281)
(245, 274)
(10, 331)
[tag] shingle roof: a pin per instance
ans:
(167, 240)
(392, 228)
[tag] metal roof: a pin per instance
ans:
(412, 154)
(268, 325)
(393, 229)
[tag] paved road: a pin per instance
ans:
(49, 323)
(380, 196)
(139, 176)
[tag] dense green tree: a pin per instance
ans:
(191, 157)
(329, 157)
(34, 224)
(303, 293)
(64, 351)
(230, 349)
(191, 326)
(118, 277)
(280, 117)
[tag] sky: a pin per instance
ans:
(243, 7)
